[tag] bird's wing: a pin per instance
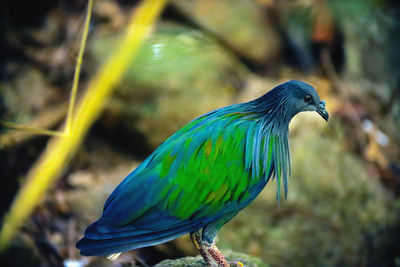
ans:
(194, 174)
(205, 170)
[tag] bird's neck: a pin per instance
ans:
(272, 116)
(274, 108)
(273, 123)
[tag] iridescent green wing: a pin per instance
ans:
(202, 171)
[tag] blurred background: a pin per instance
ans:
(343, 203)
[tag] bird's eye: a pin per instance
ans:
(307, 98)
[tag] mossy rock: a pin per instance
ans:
(176, 67)
(198, 261)
(240, 24)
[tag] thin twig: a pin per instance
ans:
(42, 131)
(72, 100)
(77, 72)
(46, 119)
(32, 129)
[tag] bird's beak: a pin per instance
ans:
(322, 111)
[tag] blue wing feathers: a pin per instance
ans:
(113, 244)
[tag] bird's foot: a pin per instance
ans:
(210, 252)
(236, 263)
(217, 255)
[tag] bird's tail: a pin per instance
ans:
(110, 248)
(103, 240)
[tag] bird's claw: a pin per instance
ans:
(236, 263)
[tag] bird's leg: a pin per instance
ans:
(217, 256)
(210, 252)
(202, 247)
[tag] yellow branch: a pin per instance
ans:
(60, 150)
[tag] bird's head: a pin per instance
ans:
(293, 97)
(303, 97)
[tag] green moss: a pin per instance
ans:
(179, 74)
(198, 261)
(240, 24)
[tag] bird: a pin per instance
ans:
(203, 175)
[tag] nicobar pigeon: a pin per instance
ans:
(203, 175)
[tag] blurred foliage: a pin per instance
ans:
(22, 106)
(175, 55)
(239, 23)
(369, 28)
(343, 205)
